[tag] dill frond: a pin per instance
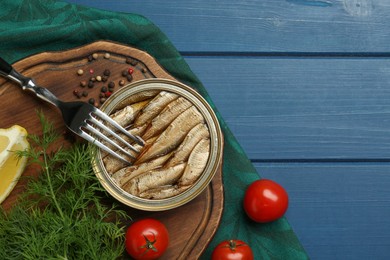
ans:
(66, 219)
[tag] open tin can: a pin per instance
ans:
(117, 101)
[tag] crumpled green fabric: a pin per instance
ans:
(28, 27)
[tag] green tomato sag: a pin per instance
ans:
(66, 219)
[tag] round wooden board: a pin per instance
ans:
(191, 226)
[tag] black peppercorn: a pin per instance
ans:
(91, 84)
(107, 72)
(111, 84)
(134, 62)
(83, 84)
(125, 73)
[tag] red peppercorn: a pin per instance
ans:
(108, 93)
(130, 70)
(91, 71)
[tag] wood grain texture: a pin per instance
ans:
(266, 25)
(191, 226)
(339, 211)
(302, 108)
(314, 75)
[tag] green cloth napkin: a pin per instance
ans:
(29, 27)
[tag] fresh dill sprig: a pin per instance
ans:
(61, 214)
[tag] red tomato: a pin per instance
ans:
(232, 250)
(146, 239)
(265, 201)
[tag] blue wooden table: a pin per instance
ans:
(305, 87)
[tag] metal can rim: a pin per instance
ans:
(212, 166)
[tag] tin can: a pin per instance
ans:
(116, 101)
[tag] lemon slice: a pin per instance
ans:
(11, 167)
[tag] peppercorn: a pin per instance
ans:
(90, 58)
(104, 78)
(108, 94)
(130, 70)
(85, 93)
(91, 84)
(95, 56)
(102, 100)
(98, 78)
(83, 84)
(80, 72)
(111, 84)
(131, 61)
(107, 55)
(103, 89)
(77, 93)
(144, 70)
(101, 95)
(121, 82)
(129, 78)
(125, 73)
(107, 72)
(91, 101)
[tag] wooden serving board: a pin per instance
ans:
(192, 226)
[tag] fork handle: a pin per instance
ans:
(27, 83)
(5, 67)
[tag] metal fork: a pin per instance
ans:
(81, 118)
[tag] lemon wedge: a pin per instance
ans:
(11, 167)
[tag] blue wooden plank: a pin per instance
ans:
(302, 108)
(338, 211)
(266, 25)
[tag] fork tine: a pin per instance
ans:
(105, 128)
(108, 119)
(89, 138)
(105, 138)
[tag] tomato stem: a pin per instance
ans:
(149, 244)
(233, 245)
